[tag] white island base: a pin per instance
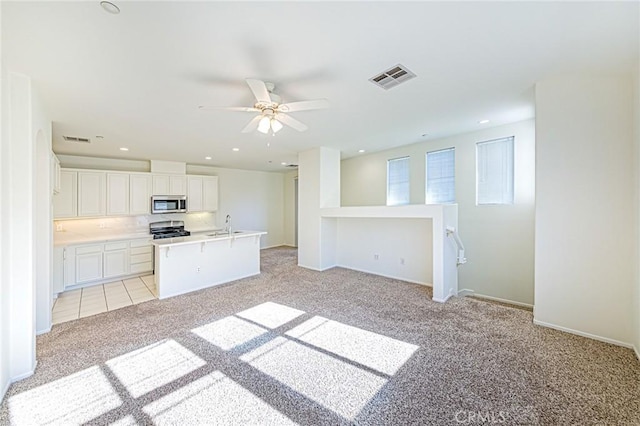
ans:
(187, 264)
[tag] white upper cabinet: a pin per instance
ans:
(91, 194)
(160, 185)
(210, 194)
(169, 185)
(65, 202)
(55, 174)
(117, 194)
(139, 194)
(194, 195)
(203, 193)
(177, 185)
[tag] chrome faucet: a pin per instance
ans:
(227, 222)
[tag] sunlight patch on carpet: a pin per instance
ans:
(373, 350)
(74, 399)
(229, 332)
(146, 369)
(270, 314)
(214, 399)
(332, 383)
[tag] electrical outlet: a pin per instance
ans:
(198, 269)
(102, 225)
(59, 227)
(376, 257)
(402, 260)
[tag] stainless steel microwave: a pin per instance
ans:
(168, 204)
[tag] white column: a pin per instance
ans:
(318, 187)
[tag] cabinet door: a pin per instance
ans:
(116, 263)
(117, 193)
(161, 185)
(194, 195)
(58, 270)
(55, 174)
(139, 194)
(210, 194)
(69, 268)
(88, 264)
(65, 202)
(177, 185)
(91, 197)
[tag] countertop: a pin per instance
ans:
(202, 238)
(65, 238)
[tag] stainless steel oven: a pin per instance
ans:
(168, 204)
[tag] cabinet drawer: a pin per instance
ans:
(141, 267)
(122, 245)
(140, 243)
(141, 250)
(140, 258)
(89, 249)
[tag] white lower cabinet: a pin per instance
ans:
(116, 259)
(78, 265)
(88, 264)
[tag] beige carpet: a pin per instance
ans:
(294, 346)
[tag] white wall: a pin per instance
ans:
(636, 126)
(586, 256)
(498, 239)
(255, 200)
(4, 281)
(289, 218)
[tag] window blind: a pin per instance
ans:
(494, 171)
(398, 181)
(441, 177)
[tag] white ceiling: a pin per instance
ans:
(137, 78)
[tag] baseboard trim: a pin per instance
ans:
(637, 351)
(469, 292)
(25, 375)
(46, 330)
(385, 275)
(316, 269)
(442, 300)
(587, 335)
(4, 390)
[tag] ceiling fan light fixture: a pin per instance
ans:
(276, 126)
(264, 125)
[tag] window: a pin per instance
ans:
(494, 171)
(441, 177)
(398, 181)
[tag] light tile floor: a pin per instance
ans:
(93, 300)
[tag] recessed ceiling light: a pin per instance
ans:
(236, 149)
(124, 149)
(283, 163)
(99, 137)
(483, 121)
(110, 7)
(207, 158)
(361, 151)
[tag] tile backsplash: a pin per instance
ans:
(131, 224)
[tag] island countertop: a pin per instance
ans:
(219, 236)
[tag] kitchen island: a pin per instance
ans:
(191, 263)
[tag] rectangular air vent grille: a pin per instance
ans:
(392, 77)
(76, 139)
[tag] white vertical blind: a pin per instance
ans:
(441, 177)
(494, 168)
(398, 181)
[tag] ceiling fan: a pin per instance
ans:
(272, 112)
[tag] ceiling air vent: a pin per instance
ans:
(76, 139)
(293, 166)
(392, 77)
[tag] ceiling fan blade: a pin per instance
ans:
(304, 105)
(259, 90)
(213, 108)
(291, 122)
(253, 124)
